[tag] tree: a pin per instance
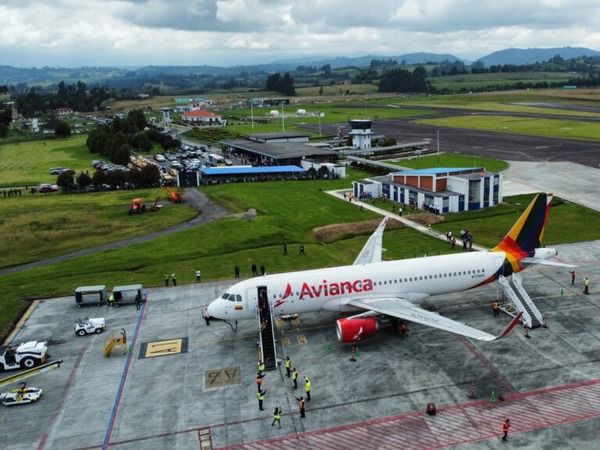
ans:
(149, 176)
(121, 155)
(65, 180)
(99, 178)
(5, 119)
(83, 180)
(287, 85)
(62, 129)
(137, 118)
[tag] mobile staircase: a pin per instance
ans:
(519, 301)
(267, 337)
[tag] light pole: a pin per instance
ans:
(282, 119)
(438, 143)
(252, 113)
(319, 116)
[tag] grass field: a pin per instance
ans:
(568, 222)
(558, 128)
(40, 226)
(28, 163)
(504, 101)
(453, 160)
(338, 89)
(482, 80)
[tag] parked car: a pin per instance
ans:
(159, 157)
(56, 170)
(45, 188)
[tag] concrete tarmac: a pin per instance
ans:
(184, 377)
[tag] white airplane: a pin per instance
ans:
(373, 287)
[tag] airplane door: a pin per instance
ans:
(263, 299)
(252, 300)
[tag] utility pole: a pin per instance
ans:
(252, 113)
(282, 119)
(438, 144)
(319, 116)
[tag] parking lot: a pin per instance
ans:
(182, 378)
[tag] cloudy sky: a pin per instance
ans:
(230, 32)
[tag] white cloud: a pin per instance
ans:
(135, 32)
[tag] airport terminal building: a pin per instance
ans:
(440, 190)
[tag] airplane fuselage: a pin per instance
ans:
(331, 288)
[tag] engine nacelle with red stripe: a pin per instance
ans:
(355, 330)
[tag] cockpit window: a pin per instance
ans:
(227, 296)
(238, 298)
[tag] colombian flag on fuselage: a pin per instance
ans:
(526, 234)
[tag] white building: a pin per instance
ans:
(361, 133)
(439, 189)
(203, 117)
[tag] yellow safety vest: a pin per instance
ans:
(260, 396)
(586, 281)
(288, 363)
(261, 367)
(294, 375)
(307, 385)
(277, 416)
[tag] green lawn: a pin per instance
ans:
(501, 101)
(452, 160)
(568, 222)
(28, 163)
(568, 129)
(41, 226)
(495, 80)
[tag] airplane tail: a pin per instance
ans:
(526, 234)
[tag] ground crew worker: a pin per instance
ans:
(198, 275)
(259, 381)
(586, 285)
(301, 252)
(307, 387)
(288, 366)
(496, 309)
(301, 406)
(166, 277)
(505, 428)
(138, 302)
(284, 249)
(111, 299)
(277, 417)
(295, 377)
(174, 278)
(253, 269)
(236, 271)
(261, 368)
(260, 395)
(262, 269)
(572, 272)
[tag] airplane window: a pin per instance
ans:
(225, 296)
(385, 282)
(238, 298)
(420, 277)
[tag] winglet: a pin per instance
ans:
(511, 326)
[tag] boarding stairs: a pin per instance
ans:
(519, 301)
(267, 338)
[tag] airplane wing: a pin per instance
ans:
(403, 309)
(546, 262)
(371, 252)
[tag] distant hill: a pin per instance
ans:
(364, 61)
(521, 56)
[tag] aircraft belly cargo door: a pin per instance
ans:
(267, 332)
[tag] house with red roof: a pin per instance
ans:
(203, 117)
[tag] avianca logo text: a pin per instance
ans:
(326, 289)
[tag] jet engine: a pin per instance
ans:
(545, 253)
(355, 330)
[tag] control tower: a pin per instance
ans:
(361, 133)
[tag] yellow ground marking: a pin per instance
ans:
(221, 377)
(161, 348)
(285, 341)
(302, 339)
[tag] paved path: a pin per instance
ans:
(209, 211)
(409, 223)
(454, 424)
